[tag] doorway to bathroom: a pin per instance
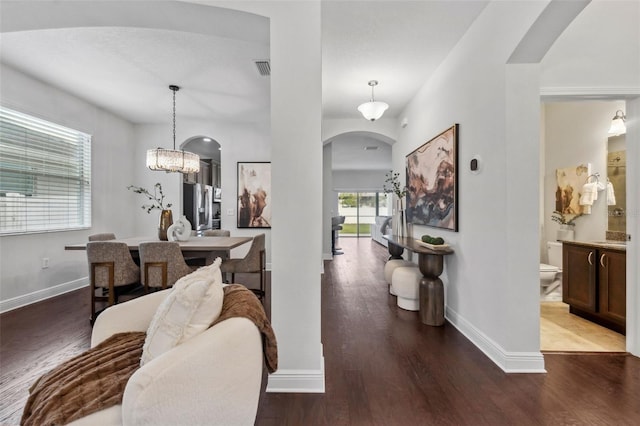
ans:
(577, 151)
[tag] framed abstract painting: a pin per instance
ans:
(432, 182)
(254, 195)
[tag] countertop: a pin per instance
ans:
(608, 244)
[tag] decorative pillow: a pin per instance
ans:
(191, 307)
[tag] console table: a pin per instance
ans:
(430, 263)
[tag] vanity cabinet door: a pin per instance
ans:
(579, 276)
(612, 280)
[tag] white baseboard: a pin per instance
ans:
(327, 256)
(46, 293)
(297, 381)
(509, 362)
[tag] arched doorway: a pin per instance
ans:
(201, 191)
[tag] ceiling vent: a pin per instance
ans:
(263, 68)
(370, 148)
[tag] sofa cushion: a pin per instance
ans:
(191, 307)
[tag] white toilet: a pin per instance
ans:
(551, 274)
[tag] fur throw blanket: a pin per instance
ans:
(96, 379)
(85, 384)
(240, 302)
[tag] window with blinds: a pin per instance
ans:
(45, 175)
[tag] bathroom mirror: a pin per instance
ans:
(616, 173)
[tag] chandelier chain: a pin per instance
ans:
(174, 119)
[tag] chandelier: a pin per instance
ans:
(373, 110)
(172, 160)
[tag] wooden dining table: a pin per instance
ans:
(208, 248)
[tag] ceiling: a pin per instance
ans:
(123, 59)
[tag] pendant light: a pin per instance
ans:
(617, 124)
(373, 110)
(172, 160)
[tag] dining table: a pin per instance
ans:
(208, 248)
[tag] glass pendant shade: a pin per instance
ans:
(173, 160)
(373, 110)
(170, 160)
(617, 124)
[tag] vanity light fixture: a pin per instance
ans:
(173, 160)
(617, 124)
(373, 110)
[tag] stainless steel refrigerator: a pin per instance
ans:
(197, 205)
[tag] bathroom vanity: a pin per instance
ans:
(594, 281)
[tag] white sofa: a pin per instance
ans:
(376, 232)
(213, 378)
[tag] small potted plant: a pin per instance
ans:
(157, 202)
(566, 231)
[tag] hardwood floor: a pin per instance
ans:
(382, 366)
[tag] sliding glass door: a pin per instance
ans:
(360, 210)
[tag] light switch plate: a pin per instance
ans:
(230, 212)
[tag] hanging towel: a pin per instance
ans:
(611, 196)
(589, 194)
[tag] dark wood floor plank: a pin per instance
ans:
(382, 365)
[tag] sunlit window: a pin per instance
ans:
(45, 175)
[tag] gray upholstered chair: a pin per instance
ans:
(217, 233)
(106, 236)
(162, 264)
(110, 267)
(252, 263)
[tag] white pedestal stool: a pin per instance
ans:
(406, 284)
(391, 266)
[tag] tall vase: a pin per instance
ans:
(399, 220)
(166, 220)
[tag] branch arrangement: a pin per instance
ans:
(392, 179)
(157, 199)
(560, 218)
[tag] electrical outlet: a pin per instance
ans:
(230, 212)
(45, 262)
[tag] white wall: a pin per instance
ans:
(598, 53)
(22, 280)
(386, 126)
(470, 88)
(496, 303)
(328, 201)
(576, 133)
(358, 180)
(296, 155)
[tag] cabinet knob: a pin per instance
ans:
(601, 260)
(589, 258)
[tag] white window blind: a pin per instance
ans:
(45, 175)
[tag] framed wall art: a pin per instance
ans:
(570, 181)
(432, 182)
(254, 195)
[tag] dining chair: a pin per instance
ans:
(111, 267)
(252, 263)
(162, 264)
(106, 236)
(217, 233)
